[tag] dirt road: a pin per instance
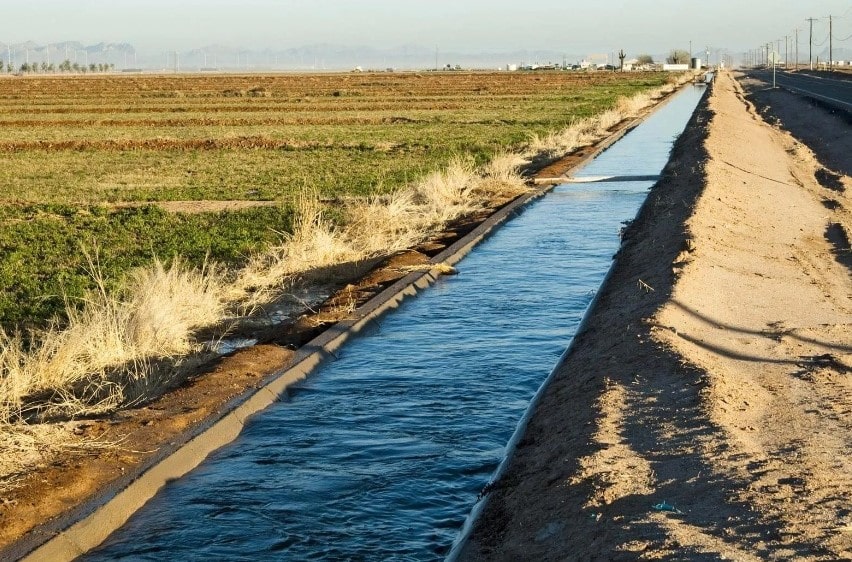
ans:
(705, 411)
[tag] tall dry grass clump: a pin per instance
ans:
(80, 368)
(374, 227)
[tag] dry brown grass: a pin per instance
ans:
(154, 316)
(374, 227)
(26, 446)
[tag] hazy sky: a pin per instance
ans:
(463, 25)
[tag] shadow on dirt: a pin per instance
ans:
(837, 236)
(830, 180)
(825, 131)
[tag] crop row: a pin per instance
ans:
(327, 84)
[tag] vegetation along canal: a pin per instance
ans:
(382, 453)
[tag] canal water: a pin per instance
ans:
(382, 452)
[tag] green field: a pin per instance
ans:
(82, 158)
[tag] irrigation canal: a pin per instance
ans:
(381, 454)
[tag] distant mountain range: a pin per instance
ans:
(308, 57)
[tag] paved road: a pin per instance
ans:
(837, 93)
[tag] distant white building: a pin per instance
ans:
(631, 64)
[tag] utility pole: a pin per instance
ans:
(774, 66)
(796, 64)
(786, 52)
(830, 51)
(811, 45)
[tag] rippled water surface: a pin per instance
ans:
(382, 453)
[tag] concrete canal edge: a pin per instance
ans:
(88, 525)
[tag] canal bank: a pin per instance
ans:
(703, 411)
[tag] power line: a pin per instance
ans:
(823, 42)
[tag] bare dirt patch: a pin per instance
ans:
(211, 206)
(704, 410)
(196, 207)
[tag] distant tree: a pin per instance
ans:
(645, 59)
(112, 66)
(75, 67)
(93, 67)
(25, 67)
(1, 66)
(51, 68)
(678, 56)
(65, 66)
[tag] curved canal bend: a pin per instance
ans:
(382, 453)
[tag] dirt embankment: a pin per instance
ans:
(704, 412)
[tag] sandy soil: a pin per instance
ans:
(704, 412)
